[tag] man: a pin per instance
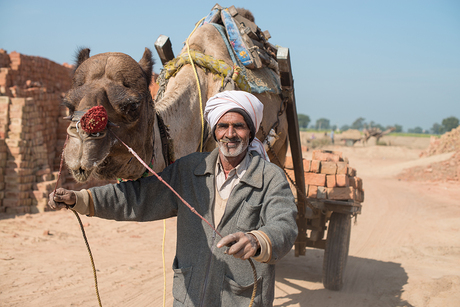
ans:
(246, 198)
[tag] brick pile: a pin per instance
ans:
(448, 142)
(18, 71)
(329, 176)
(32, 131)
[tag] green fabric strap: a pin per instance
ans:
(217, 67)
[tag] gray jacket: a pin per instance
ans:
(203, 274)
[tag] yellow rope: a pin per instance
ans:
(90, 257)
(197, 83)
(164, 265)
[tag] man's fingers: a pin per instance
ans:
(227, 240)
(61, 199)
(241, 245)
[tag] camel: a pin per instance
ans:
(376, 132)
(121, 86)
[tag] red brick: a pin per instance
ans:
(288, 163)
(20, 150)
(312, 191)
(39, 194)
(306, 165)
(340, 193)
(325, 155)
(291, 174)
(342, 167)
(358, 195)
(15, 142)
(315, 179)
(342, 180)
(356, 182)
(329, 168)
(45, 186)
(17, 194)
(4, 108)
(315, 166)
(41, 172)
(331, 181)
(22, 101)
(11, 202)
(18, 171)
(4, 100)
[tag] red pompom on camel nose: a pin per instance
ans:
(95, 120)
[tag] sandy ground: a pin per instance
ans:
(404, 251)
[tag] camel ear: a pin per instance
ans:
(82, 55)
(146, 64)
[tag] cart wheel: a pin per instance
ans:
(336, 251)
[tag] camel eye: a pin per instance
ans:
(131, 109)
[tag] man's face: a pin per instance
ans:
(232, 134)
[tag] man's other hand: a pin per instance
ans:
(241, 245)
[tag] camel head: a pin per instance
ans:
(120, 85)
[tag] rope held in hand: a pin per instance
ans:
(81, 227)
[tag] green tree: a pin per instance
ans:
(322, 124)
(416, 130)
(344, 128)
(398, 128)
(358, 124)
(437, 129)
(303, 120)
(450, 123)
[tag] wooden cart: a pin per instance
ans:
(315, 216)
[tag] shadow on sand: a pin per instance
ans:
(367, 282)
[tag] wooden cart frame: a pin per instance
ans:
(315, 216)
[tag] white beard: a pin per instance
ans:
(233, 151)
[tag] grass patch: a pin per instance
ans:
(419, 135)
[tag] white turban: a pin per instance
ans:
(222, 102)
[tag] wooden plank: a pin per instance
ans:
(164, 49)
(287, 83)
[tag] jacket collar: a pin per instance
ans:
(252, 177)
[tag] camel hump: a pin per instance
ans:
(248, 41)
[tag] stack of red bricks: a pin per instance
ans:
(27, 158)
(329, 176)
(32, 131)
(31, 90)
(21, 72)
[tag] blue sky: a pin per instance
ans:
(391, 62)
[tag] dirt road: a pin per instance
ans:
(405, 250)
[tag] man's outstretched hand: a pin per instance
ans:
(242, 245)
(62, 199)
